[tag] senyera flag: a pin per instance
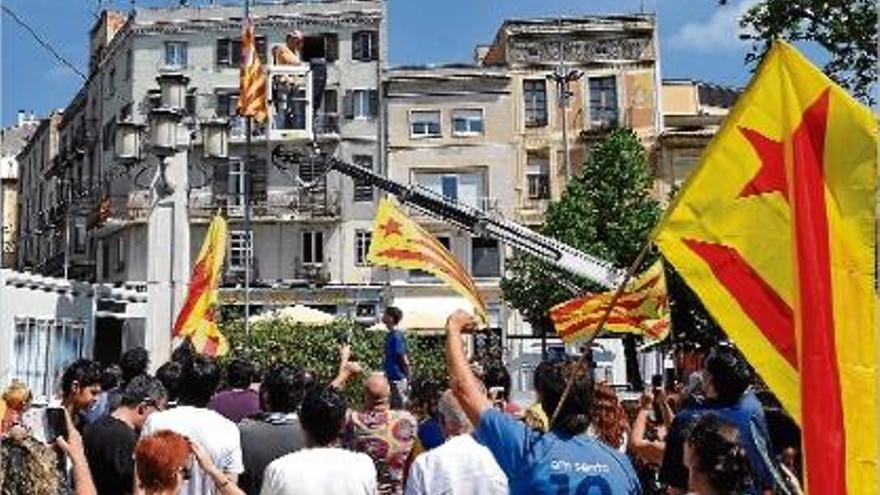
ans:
(197, 320)
(642, 309)
(253, 84)
(399, 242)
(775, 233)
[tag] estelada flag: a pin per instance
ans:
(642, 309)
(253, 82)
(399, 242)
(774, 231)
(197, 320)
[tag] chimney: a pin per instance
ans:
(20, 118)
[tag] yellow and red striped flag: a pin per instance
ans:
(774, 231)
(399, 242)
(253, 84)
(197, 320)
(642, 309)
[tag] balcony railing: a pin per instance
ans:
(309, 205)
(313, 273)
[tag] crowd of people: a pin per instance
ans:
(284, 430)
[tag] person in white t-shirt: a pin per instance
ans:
(460, 466)
(322, 468)
(218, 436)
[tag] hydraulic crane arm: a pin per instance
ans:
(476, 221)
(489, 225)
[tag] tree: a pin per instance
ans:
(846, 29)
(608, 212)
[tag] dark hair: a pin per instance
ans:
(84, 372)
(730, 375)
(184, 353)
(171, 376)
(394, 313)
(283, 388)
(574, 416)
(240, 373)
(134, 362)
(199, 382)
(322, 414)
(143, 388)
(718, 454)
(498, 376)
(541, 377)
(111, 376)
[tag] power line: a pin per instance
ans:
(45, 44)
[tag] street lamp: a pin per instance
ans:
(172, 89)
(128, 142)
(215, 139)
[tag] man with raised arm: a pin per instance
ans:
(563, 460)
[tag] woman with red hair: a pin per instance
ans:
(163, 463)
(609, 420)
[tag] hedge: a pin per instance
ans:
(316, 348)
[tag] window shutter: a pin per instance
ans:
(374, 103)
(223, 52)
(331, 47)
(331, 101)
(348, 105)
(257, 182)
(184, 61)
(220, 184)
(374, 45)
(357, 46)
(222, 109)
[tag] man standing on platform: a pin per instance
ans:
(397, 367)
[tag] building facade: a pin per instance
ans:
(12, 140)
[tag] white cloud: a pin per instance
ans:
(719, 33)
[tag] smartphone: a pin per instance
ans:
(45, 424)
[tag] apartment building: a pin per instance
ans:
(693, 111)
(13, 139)
(451, 132)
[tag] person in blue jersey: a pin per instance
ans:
(562, 461)
(396, 362)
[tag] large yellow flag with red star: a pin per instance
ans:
(642, 309)
(775, 233)
(197, 320)
(399, 242)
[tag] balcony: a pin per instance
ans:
(238, 130)
(326, 125)
(234, 276)
(287, 205)
(313, 273)
(132, 208)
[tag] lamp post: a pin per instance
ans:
(168, 246)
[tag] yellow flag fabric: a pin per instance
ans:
(399, 242)
(197, 320)
(253, 83)
(775, 233)
(642, 309)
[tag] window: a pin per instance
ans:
(313, 247)
(363, 191)
(109, 136)
(424, 123)
(129, 64)
(603, 101)
(538, 176)
(365, 46)
(362, 239)
(111, 82)
(467, 122)
(229, 51)
(361, 104)
(120, 253)
(240, 248)
(43, 349)
(423, 276)
(175, 54)
(324, 46)
(485, 258)
(535, 95)
(79, 237)
(235, 188)
(105, 259)
(465, 187)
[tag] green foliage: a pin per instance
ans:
(607, 211)
(846, 29)
(316, 348)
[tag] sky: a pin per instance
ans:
(698, 38)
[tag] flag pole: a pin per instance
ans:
(247, 209)
(633, 268)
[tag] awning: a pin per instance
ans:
(303, 315)
(427, 314)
